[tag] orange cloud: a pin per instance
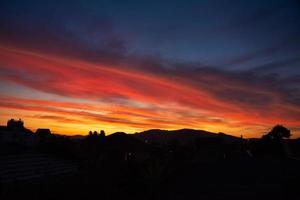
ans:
(132, 99)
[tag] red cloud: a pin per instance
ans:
(139, 99)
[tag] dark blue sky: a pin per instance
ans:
(226, 34)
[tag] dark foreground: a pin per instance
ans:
(149, 166)
(235, 179)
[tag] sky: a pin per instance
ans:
(224, 66)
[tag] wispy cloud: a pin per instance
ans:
(228, 97)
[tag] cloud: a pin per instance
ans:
(288, 41)
(57, 118)
(81, 35)
(231, 98)
(259, 15)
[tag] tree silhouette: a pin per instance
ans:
(278, 132)
(273, 143)
(102, 133)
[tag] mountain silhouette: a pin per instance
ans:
(121, 139)
(184, 136)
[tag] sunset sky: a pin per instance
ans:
(222, 66)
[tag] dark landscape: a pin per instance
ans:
(154, 164)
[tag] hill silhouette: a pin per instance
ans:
(124, 141)
(183, 136)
